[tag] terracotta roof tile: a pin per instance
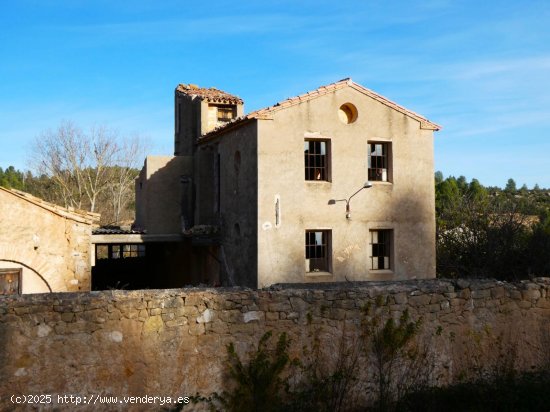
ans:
(211, 94)
(266, 112)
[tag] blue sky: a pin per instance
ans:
(480, 69)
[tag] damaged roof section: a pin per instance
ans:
(211, 95)
(267, 112)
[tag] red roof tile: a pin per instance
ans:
(266, 113)
(211, 94)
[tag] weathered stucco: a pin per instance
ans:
(405, 205)
(236, 209)
(159, 193)
(173, 342)
(49, 243)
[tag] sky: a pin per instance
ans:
(481, 69)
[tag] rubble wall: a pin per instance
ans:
(173, 342)
(51, 248)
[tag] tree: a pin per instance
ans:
(510, 186)
(88, 169)
(11, 178)
(123, 175)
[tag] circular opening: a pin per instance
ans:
(347, 113)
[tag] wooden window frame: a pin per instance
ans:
(19, 273)
(379, 166)
(381, 249)
(316, 164)
(318, 256)
(116, 251)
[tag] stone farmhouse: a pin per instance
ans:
(333, 185)
(43, 247)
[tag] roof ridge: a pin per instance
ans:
(210, 94)
(320, 91)
(68, 212)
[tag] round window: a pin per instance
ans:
(347, 113)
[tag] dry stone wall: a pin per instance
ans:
(173, 342)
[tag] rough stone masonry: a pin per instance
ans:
(173, 342)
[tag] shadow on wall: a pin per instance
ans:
(410, 218)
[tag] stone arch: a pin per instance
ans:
(34, 263)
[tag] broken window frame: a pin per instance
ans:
(380, 244)
(379, 161)
(317, 160)
(318, 251)
(225, 114)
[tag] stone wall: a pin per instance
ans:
(50, 244)
(173, 342)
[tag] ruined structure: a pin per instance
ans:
(277, 195)
(43, 247)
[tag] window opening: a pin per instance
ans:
(317, 251)
(380, 242)
(378, 162)
(316, 160)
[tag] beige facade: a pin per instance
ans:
(43, 247)
(276, 183)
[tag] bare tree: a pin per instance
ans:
(89, 169)
(121, 183)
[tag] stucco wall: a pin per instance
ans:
(173, 342)
(159, 196)
(237, 211)
(52, 250)
(405, 205)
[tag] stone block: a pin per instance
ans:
(194, 300)
(231, 316)
(481, 294)
(298, 304)
(436, 298)
(68, 317)
(283, 306)
(206, 317)
(153, 324)
(271, 315)
(498, 292)
(419, 300)
(530, 294)
(196, 329)
(254, 316)
(172, 323)
(400, 298)
(525, 304)
(464, 294)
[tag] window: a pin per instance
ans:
(225, 113)
(318, 251)
(10, 281)
(379, 157)
(113, 251)
(316, 159)
(380, 249)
